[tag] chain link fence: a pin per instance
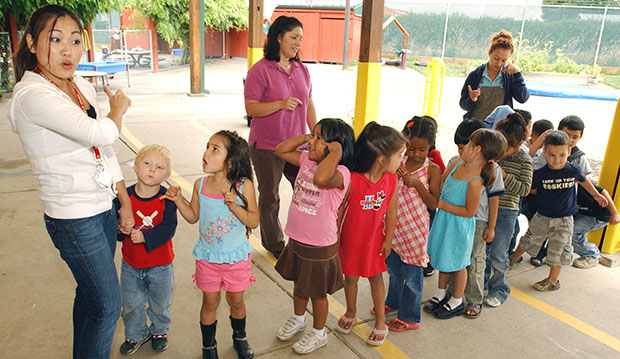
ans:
(566, 34)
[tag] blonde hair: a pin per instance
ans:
(502, 40)
(162, 150)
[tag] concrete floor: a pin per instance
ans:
(37, 288)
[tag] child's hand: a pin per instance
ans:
(540, 141)
(334, 146)
(440, 204)
(386, 247)
(614, 219)
(412, 180)
(307, 137)
(126, 221)
(136, 236)
(230, 199)
(173, 193)
(489, 234)
(401, 171)
(602, 201)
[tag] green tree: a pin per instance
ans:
(171, 17)
(84, 9)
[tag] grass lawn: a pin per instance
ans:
(612, 80)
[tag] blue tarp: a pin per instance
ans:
(571, 91)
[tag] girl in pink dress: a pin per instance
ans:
(368, 221)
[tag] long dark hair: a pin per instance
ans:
(335, 129)
(492, 147)
(282, 25)
(375, 141)
(238, 163)
(26, 60)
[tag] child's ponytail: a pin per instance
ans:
(492, 146)
(375, 141)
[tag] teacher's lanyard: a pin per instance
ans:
(95, 148)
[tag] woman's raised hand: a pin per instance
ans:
(473, 94)
(119, 103)
(290, 104)
(511, 68)
(118, 100)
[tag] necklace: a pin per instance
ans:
(287, 66)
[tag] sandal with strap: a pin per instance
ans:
(402, 325)
(387, 310)
(375, 332)
(347, 326)
(474, 308)
(447, 312)
(432, 304)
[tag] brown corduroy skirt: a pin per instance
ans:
(316, 271)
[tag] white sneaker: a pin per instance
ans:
(309, 343)
(585, 262)
(492, 302)
(290, 328)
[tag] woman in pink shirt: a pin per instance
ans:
(278, 96)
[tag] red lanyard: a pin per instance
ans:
(39, 72)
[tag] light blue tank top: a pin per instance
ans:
(222, 236)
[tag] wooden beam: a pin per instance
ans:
(372, 31)
(154, 49)
(91, 39)
(255, 31)
(194, 46)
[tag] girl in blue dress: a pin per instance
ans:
(451, 236)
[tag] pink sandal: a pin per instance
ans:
(374, 333)
(402, 325)
(348, 325)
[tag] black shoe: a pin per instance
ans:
(210, 352)
(446, 312)
(434, 303)
(428, 270)
(242, 347)
(129, 347)
(159, 342)
(277, 253)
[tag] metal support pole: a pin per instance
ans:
(445, 31)
(522, 30)
(600, 37)
(345, 47)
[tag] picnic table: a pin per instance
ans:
(135, 57)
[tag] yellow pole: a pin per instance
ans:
(369, 67)
(608, 179)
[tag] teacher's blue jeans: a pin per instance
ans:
(497, 254)
(87, 245)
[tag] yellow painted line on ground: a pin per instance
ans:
(173, 174)
(567, 319)
(200, 127)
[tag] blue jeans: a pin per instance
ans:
(139, 286)
(583, 225)
(405, 288)
(87, 245)
(497, 254)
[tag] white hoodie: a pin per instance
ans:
(58, 138)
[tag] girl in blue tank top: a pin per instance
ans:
(451, 237)
(224, 202)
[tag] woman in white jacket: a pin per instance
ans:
(69, 144)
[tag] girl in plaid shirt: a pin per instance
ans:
(418, 189)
